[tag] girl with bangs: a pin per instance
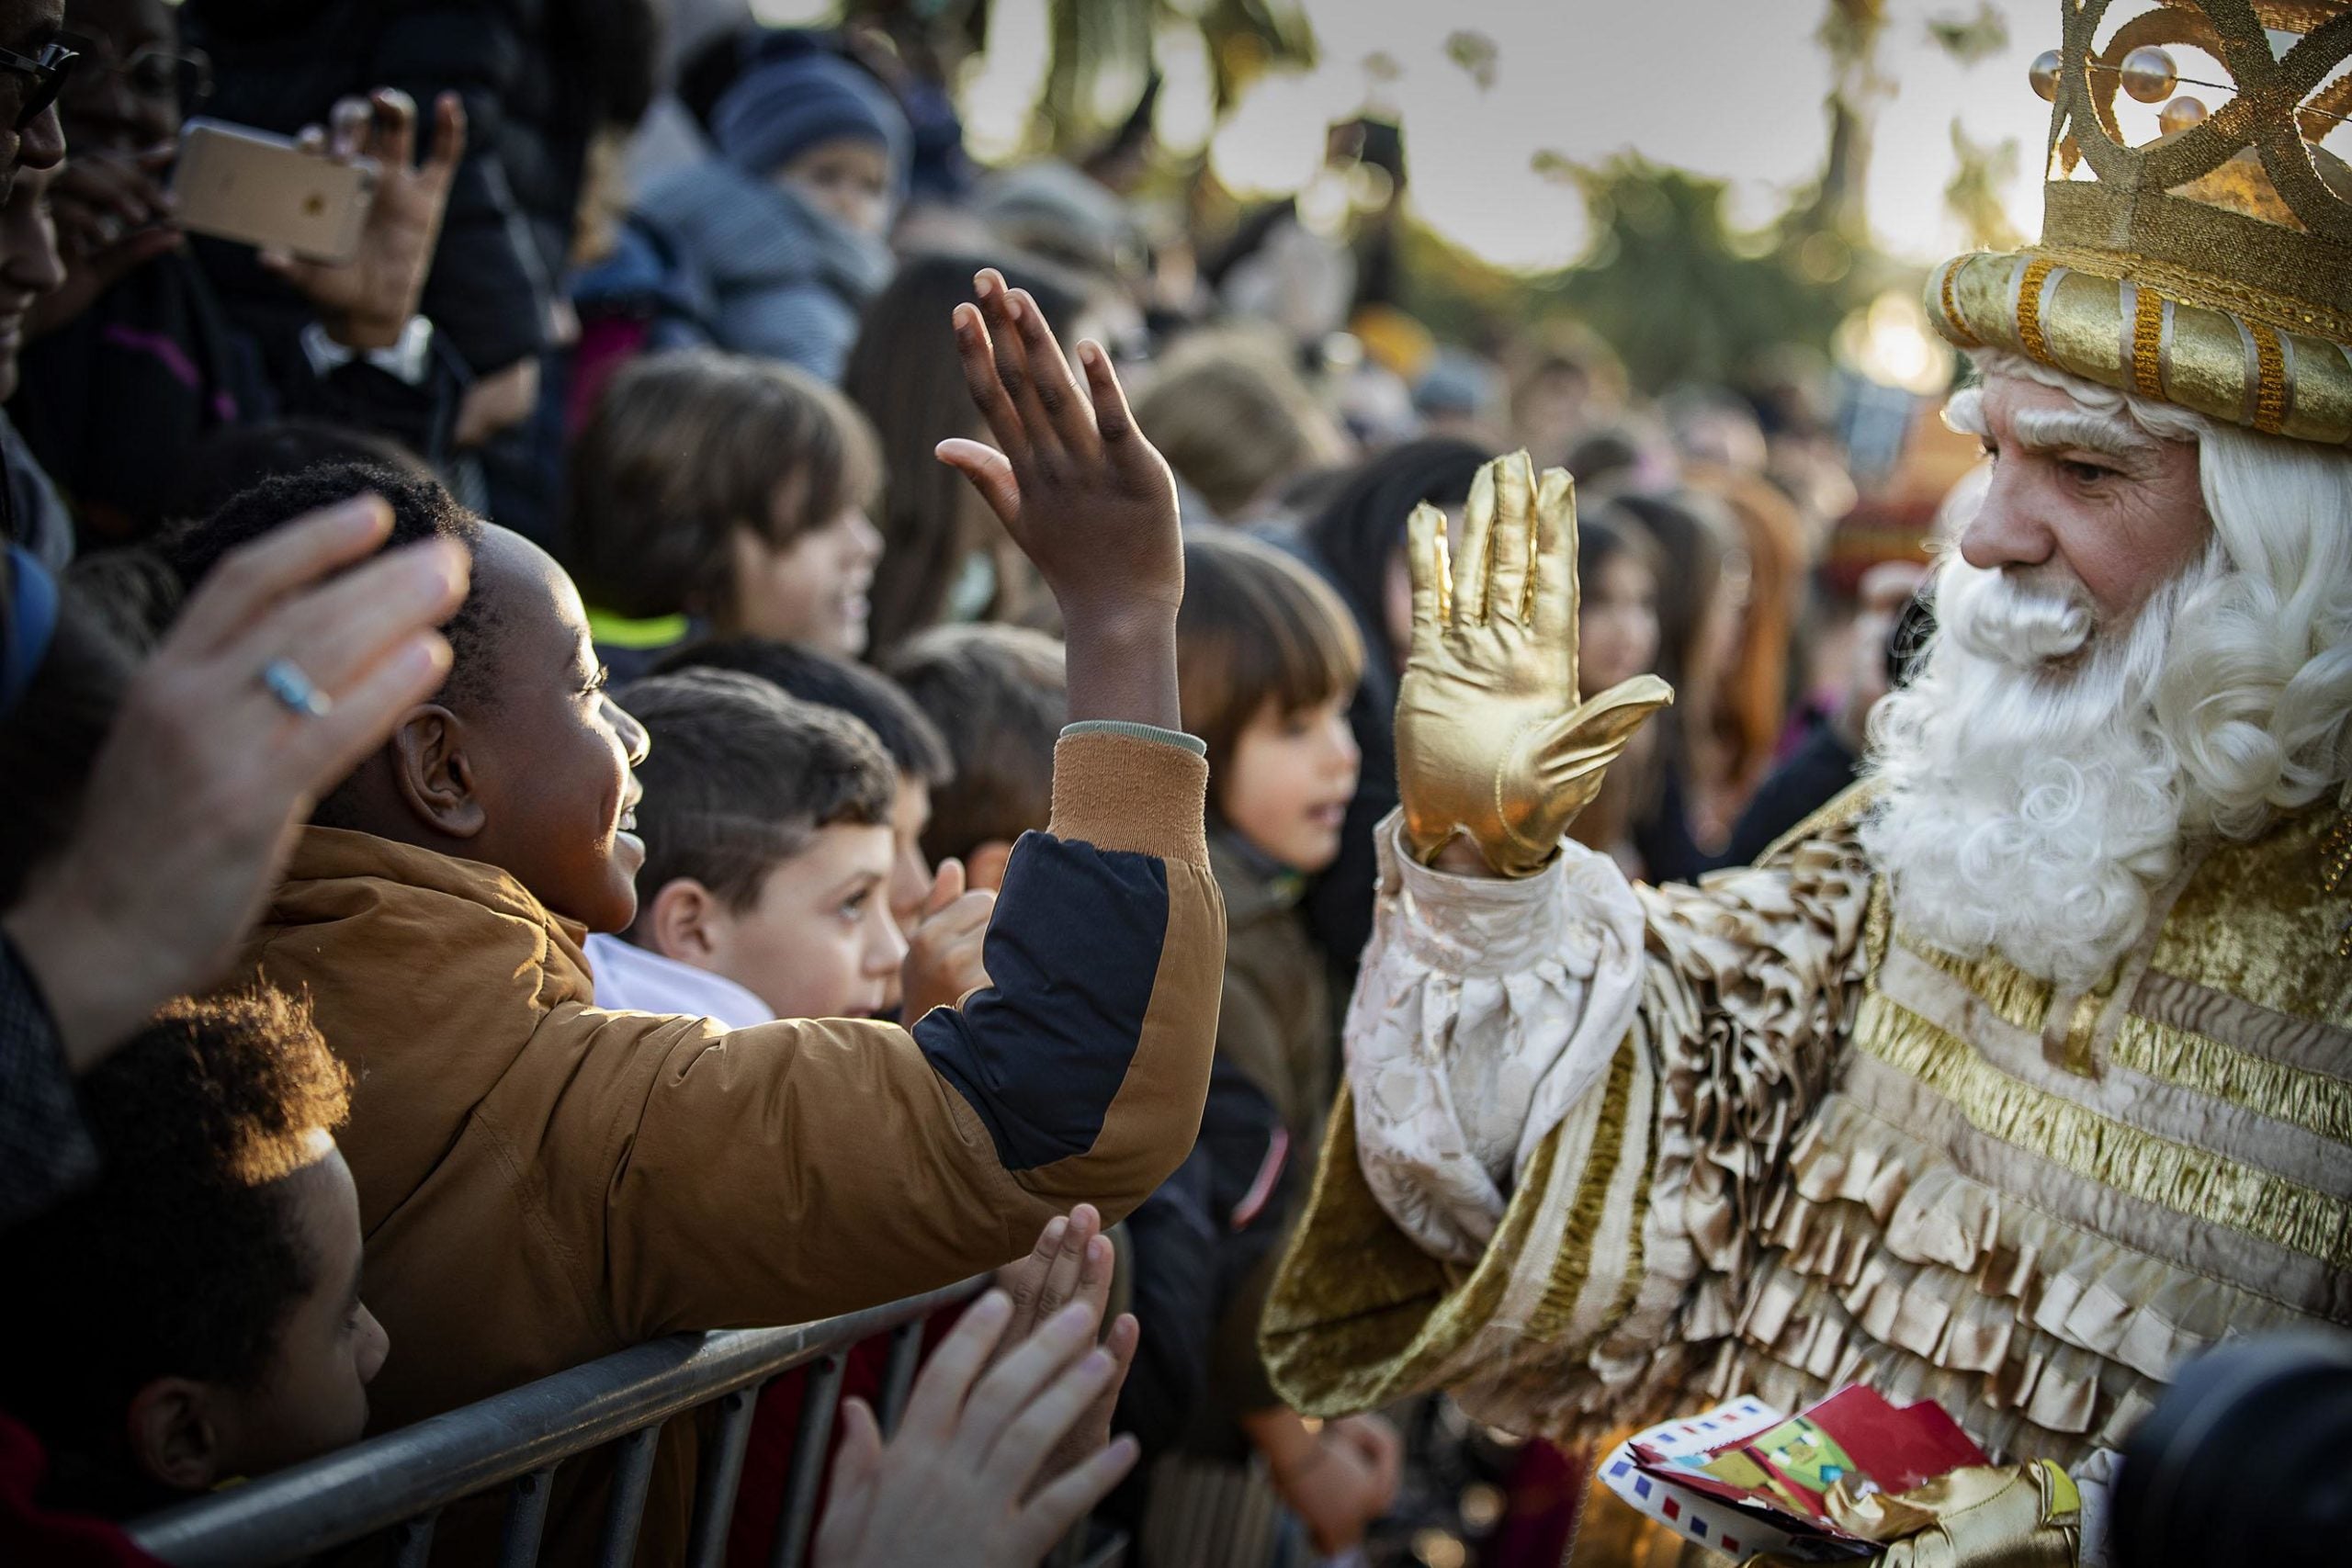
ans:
(1268, 660)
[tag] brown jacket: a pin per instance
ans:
(541, 1182)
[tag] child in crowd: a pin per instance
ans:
(194, 1315)
(907, 733)
(1268, 660)
(1000, 695)
(1617, 638)
(1238, 424)
(767, 859)
(774, 245)
(545, 1182)
(710, 491)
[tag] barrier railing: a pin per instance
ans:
(399, 1483)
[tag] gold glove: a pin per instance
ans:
(1491, 740)
(2023, 1516)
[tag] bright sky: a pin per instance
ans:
(1730, 88)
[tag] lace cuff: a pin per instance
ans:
(1486, 1011)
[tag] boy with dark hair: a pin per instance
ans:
(193, 1315)
(766, 824)
(914, 742)
(999, 695)
(544, 1183)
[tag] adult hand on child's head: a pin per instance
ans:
(366, 302)
(194, 799)
(944, 951)
(1073, 1261)
(954, 1483)
(1084, 495)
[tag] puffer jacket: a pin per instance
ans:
(542, 1182)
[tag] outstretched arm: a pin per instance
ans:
(1550, 1075)
(1077, 1073)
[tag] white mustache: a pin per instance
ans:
(2013, 623)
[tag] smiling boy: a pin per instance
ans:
(542, 1182)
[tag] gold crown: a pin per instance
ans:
(2211, 268)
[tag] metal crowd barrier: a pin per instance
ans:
(398, 1484)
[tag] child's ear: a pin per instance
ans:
(984, 867)
(175, 1436)
(685, 921)
(434, 776)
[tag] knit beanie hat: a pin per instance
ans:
(784, 106)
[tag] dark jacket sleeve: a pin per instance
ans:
(45, 1147)
(1173, 1237)
(810, 1167)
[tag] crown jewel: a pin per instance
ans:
(2210, 266)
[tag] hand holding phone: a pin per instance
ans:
(236, 183)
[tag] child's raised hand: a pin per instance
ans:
(1083, 494)
(1074, 1260)
(943, 953)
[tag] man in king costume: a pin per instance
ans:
(2023, 1071)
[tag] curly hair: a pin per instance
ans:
(182, 1259)
(421, 509)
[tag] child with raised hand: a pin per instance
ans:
(1269, 658)
(195, 1310)
(543, 1181)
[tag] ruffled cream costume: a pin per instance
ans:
(1822, 1152)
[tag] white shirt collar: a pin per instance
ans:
(636, 979)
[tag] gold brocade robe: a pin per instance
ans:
(1826, 1153)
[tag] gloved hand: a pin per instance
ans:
(1492, 739)
(2019, 1516)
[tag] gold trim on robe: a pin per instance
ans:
(1827, 1153)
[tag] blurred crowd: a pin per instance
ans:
(678, 354)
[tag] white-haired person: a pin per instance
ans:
(2013, 1079)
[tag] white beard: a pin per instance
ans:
(2030, 801)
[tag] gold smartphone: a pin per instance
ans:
(236, 183)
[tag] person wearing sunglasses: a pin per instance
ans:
(33, 68)
(139, 357)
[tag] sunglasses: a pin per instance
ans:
(47, 71)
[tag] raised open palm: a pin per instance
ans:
(1491, 738)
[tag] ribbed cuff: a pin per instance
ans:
(1145, 794)
(1193, 743)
